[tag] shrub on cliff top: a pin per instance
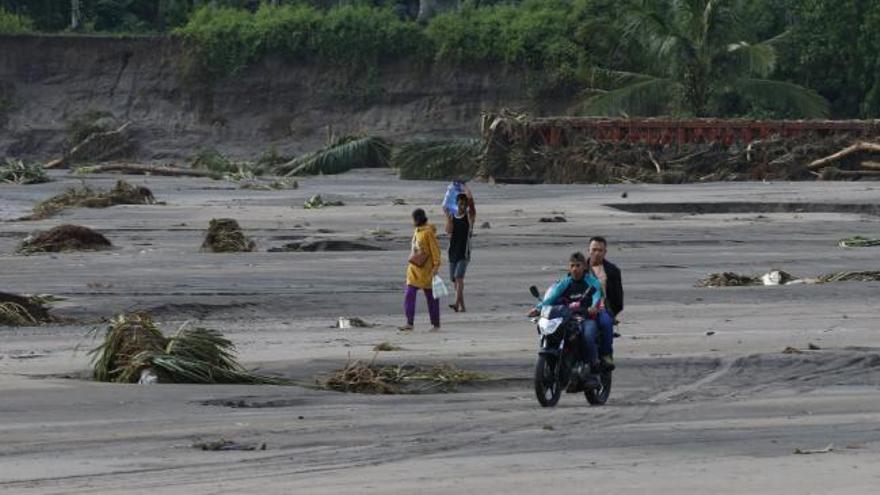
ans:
(14, 24)
(226, 40)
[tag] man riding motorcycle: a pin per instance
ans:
(571, 290)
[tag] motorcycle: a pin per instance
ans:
(560, 366)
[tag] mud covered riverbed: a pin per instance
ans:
(704, 399)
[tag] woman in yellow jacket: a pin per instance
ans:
(424, 263)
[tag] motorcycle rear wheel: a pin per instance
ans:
(599, 396)
(547, 388)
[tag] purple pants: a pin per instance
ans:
(409, 305)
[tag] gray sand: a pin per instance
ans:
(689, 412)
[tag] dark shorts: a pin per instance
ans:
(457, 269)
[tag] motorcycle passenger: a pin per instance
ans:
(570, 290)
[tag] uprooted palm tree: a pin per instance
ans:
(700, 59)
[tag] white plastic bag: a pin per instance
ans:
(439, 288)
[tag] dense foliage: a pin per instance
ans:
(14, 23)
(830, 46)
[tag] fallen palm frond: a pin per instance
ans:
(728, 279)
(225, 236)
(19, 172)
(275, 185)
(341, 156)
(859, 241)
(128, 336)
(854, 276)
(317, 201)
(122, 193)
(18, 310)
(133, 343)
(438, 159)
(138, 169)
(65, 238)
(13, 314)
(368, 378)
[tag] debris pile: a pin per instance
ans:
(225, 236)
(515, 152)
(19, 172)
(86, 197)
(779, 277)
(99, 146)
(317, 201)
(728, 279)
(65, 238)
(369, 378)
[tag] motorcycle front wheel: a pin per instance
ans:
(547, 387)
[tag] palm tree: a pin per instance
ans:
(75, 14)
(698, 59)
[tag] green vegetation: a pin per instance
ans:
(750, 58)
(14, 23)
(358, 36)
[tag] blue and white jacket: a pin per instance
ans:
(572, 290)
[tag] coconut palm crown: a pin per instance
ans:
(699, 60)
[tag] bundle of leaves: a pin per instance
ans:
(133, 343)
(438, 159)
(19, 172)
(369, 378)
(854, 276)
(65, 238)
(86, 197)
(341, 156)
(16, 310)
(728, 279)
(225, 236)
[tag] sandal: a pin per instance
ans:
(453, 307)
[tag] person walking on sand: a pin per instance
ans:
(460, 226)
(423, 265)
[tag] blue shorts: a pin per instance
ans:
(457, 269)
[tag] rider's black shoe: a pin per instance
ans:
(591, 382)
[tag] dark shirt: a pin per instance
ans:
(613, 287)
(576, 290)
(460, 240)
